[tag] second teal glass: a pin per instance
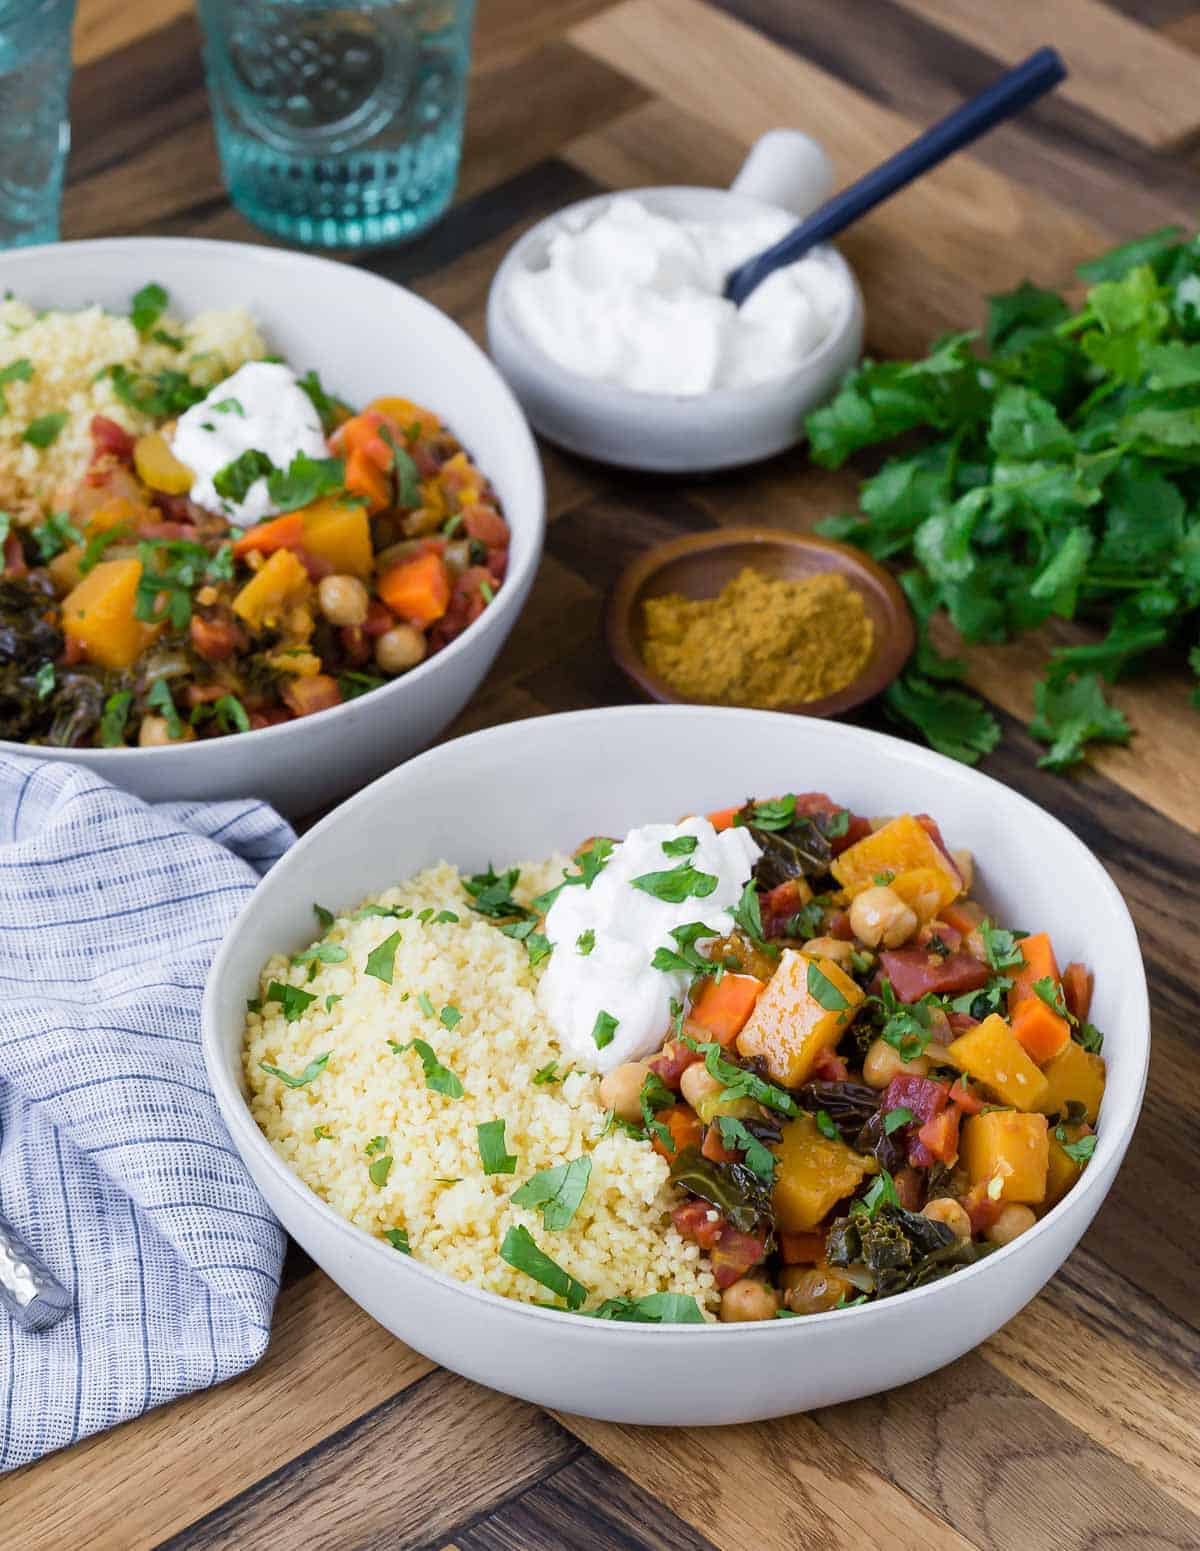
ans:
(339, 125)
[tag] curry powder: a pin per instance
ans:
(763, 641)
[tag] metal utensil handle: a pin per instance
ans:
(29, 1290)
(1014, 90)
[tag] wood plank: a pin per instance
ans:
(586, 1506)
(1119, 70)
(104, 26)
(963, 216)
(463, 1450)
(770, 1487)
(507, 29)
(1010, 1475)
(327, 1363)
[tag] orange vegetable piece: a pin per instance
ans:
(1039, 963)
(1011, 1148)
(940, 1135)
(684, 1126)
(364, 477)
(281, 582)
(405, 413)
(722, 1009)
(715, 1150)
(802, 1249)
(1077, 988)
(417, 590)
(340, 533)
(722, 819)
(115, 512)
(97, 615)
(284, 532)
(1040, 1029)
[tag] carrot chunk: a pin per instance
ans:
(1040, 1029)
(723, 1008)
(1077, 988)
(417, 590)
(284, 532)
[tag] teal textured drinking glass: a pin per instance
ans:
(35, 75)
(339, 126)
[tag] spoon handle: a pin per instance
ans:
(1014, 90)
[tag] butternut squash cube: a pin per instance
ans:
(1011, 1148)
(1074, 1074)
(799, 1014)
(1061, 1172)
(813, 1173)
(269, 592)
(405, 413)
(992, 1055)
(98, 614)
(902, 845)
(339, 532)
(923, 890)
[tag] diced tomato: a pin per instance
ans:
(914, 973)
(497, 565)
(111, 439)
(938, 1138)
(14, 556)
(684, 1125)
(1077, 989)
(909, 1188)
(734, 1254)
(217, 638)
(316, 693)
(960, 1022)
(355, 645)
(672, 1061)
(379, 620)
(715, 1150)
(920, 1094)
(802, 1249)
(839, 927)
(858, 828)
(163, 530)
(697, 1221)
(970, 1103)
(486, 524)
(830, 1067)
(785, 899)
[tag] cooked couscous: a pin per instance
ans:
(469, 992)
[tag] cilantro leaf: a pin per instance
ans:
(15, 371)
(147, 306)
(313, 1069)
(303, 481)
(492, 1153)
(1072, 713)
(381, 961)
(557, 1192)
(823, 990)
(232, 483)
(952, 721)
(45, 430)
(438, 1078)
(760, 1160)
(521, 1252)
(114, 718)
(603, 1029)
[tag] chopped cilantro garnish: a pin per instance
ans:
(585, 942)
(826, 1126)
(685, 957)
(1078, 1152)
(491, 893)
(895, 1118)
(882, 1192)
(381, 961)
(774, 813)
(327, 408)
(1000, 947)
(398, 1239)
(313, 1069)
(682, 845)
(380, 1169)
(55, 534)
(44, 680)
(15, 371)
(114, 718)
(160, 699)
(45, 430)
(292, 999)
(161, 395)
(486, 592)
(231, 714)
(591, 863)
(322, 1134)
(1051, 992)
(376, 1144)
(492, 1153)
(228, 407)
(548, 1074)
(321, 953)
(332, 1000)
(521, 1252)
(232, 483)
(823, 990)
(353, 684)
(537, 946)
(303, 481)
(661, 1308)
(450, 1017)
(747, 914)
(740, 1083)
(147, 306)
(439, 1078)
(556, 1193)
(324, 917)
(676, 884)
(603, 1029)
(760, 1160)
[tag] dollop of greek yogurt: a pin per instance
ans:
(605, 938)
(261, 407)
(634, 298)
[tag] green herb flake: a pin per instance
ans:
(379, 1170)
(492, 1153)
(45, 430)
(823, 990)
(491, 893)
(445, 917)
(381, 961)
(292, 999)
(44, 681)
(773, 814)
(322, 1134)
(585, 942)
(661, 1308)
(882, 1192)
(15, 371)
(321, 953)
(233, 482)
(740, 1083)
(603, 1029)
(450, 1017)
(1079, 1152)
(426, 1005)
(55, 534)
(398, 1239)
(895, 1118)
(147, 307)
(325, 918)
(328, 408)
(682, 845)
(676, 884)
(1051, 992)
(520, 1251)
(557, 1193)
(332, 1000)
(548, 1074)
(760, 1160)
(1001, 947)
(826, 1126)
(376, 1144)
(438, 1078)
(304, 481)
(228, 407)
(312, 1070)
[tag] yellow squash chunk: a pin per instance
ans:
(790, 1026)
(1073, 1074)
(993, 1055)
(281, 582)
(902, 845)
(158, 466)
(98, 614)
(405, 413)
(1061, 1171)
(340, 533)
(923, 890)
(1011, 1148)
(117, 513)
(813, 1173)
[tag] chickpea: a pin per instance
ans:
(1011, 1223)
(748, 1300)
(948, 1211)
(400, 648)
(830, 948)
(343, 599)
(965, 863)
(620, 1089)
(880, 918)
(816, 1291)
(937, 1055)
(697, 1086)
(153, 733)
(883, 1062)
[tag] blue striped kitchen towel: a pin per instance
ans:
(114, 1164)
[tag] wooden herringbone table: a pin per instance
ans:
(1078, 1425)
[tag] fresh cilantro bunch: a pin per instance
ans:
(1061, 477)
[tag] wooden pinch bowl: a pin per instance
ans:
(699, 565)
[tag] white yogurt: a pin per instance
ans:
(263, 408)
(634, 298)
(626, 926)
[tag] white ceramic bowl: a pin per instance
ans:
(523, 790)
(366, 337)
(666, 433)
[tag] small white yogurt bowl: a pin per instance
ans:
(669, 433)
